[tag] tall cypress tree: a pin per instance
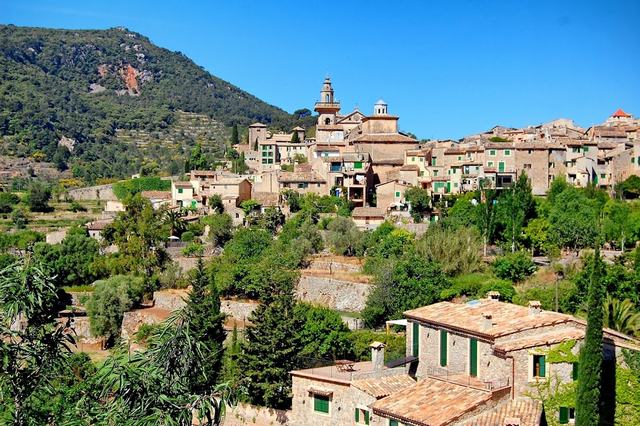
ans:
(591, 358)
(271, 350)
(235, 139)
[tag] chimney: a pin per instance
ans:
(377, 355)
(493, 295)
(487, 320)
(534, 307)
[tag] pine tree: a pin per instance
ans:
(206, 323)
(591, 358)
(271, 350)
(295, 138)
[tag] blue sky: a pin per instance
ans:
(446, 68)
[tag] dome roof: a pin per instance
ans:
(381, 102)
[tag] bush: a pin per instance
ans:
(193, 250)
(396, 344)
(514, 266)
(77, 207)
(458, 251)
(187, 236)
(477, 285)
(324, 334)
(345, 238)
(7, 201)
(38, 197)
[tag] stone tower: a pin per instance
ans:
(327, 107)
(380, 108)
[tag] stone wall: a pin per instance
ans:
(170, 299)
(240, 310)
(132, 320)
(244, 414)
(336, 294)
(99, 192)
(330, 263)
(80, 326)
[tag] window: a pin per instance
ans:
(633, 160)
(492, 152)
(539, 367)
(566, 415)
(422, 173)
(413, 159)
(415, 340)
(585, 149)
(327, 121)
(180, 190)
(434, 161)
(527, 166)
(473, 357)
(443, 348)
(575, 149)
(455, 184)
(303, 185)
(321, 404)
(603, 176)
(398, 194)
(393, 423)
(490, 164)
(459, 157)
(507, 152)
(574, 371)
(362, 416)
(357, 165)
(501, 166)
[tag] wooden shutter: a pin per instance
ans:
(321, 403)
(357, 415)
(366, 417)
(542, 366)
(443, 348)
(564, 415)
(574, 373)
(473, 357)
(393, 423)
(415, 340)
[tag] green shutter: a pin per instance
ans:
(321, 403)
(415, 340)
(357, 165)
(443, 348)
(574, 373)
(357, 415)
(473, 357)
(393, 422)
(542, 366)
(366, 417)
(501, 166)
(564, 415)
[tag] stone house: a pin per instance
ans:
(368, 217)
(183, 195)
(390, 195)
(157, 198)
(303, 180)
(532, 158)
(350, 172)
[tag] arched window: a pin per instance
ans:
(327, 121)
(326, 98)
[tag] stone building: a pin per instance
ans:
(474, 364)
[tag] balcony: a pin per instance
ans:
(327, 105)
(464, 379)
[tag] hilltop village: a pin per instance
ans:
(369, 162)
(345, 274)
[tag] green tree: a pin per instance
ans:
(215, 203)
(344, 237)
(108, 303)
(621, 222)
(573, 219)
(420, 202)
(220, 228)
(514, 266)
(536, 235)
(235, 138)
(271, 349)
(32, 343)
(7, 201)
(591, 358)
(173, 219)
(324, 335)
(457, 251)
(621, 315)
(516, 206)
(271, 219)
(487, 216)
(19, 218)
(38, 197)
(295, 138)
(198, 160)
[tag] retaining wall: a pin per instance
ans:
(99, 192)
(244, 414)
(336, 294)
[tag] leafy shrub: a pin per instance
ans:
(77, 207)
(187, 236)
(396, 344)
(458, 251)
(193, 249)
(145, 331)
(514, 266)
(324, 334)
(477, 285)
(7, 201)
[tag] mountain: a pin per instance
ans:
(113, 98)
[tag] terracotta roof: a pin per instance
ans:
(452, 151)
(541, 339)
(182, 184)
(367, 212)
(266, 199)
(300, 177)
(98, 225)
(431, 402)
(384, 137)
(410, 167)
(379, 387)
(258, 125)
(620, 113)
(507, 317)
(161, 195)
(526, 410)
(226, 180)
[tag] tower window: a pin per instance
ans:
(326, 98)
(327, 121)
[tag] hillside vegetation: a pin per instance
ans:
(104, 89)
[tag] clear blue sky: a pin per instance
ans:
(447, 68)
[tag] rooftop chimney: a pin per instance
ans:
(493, 295)
(487, 320)
(535, 307)
(377, 355)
